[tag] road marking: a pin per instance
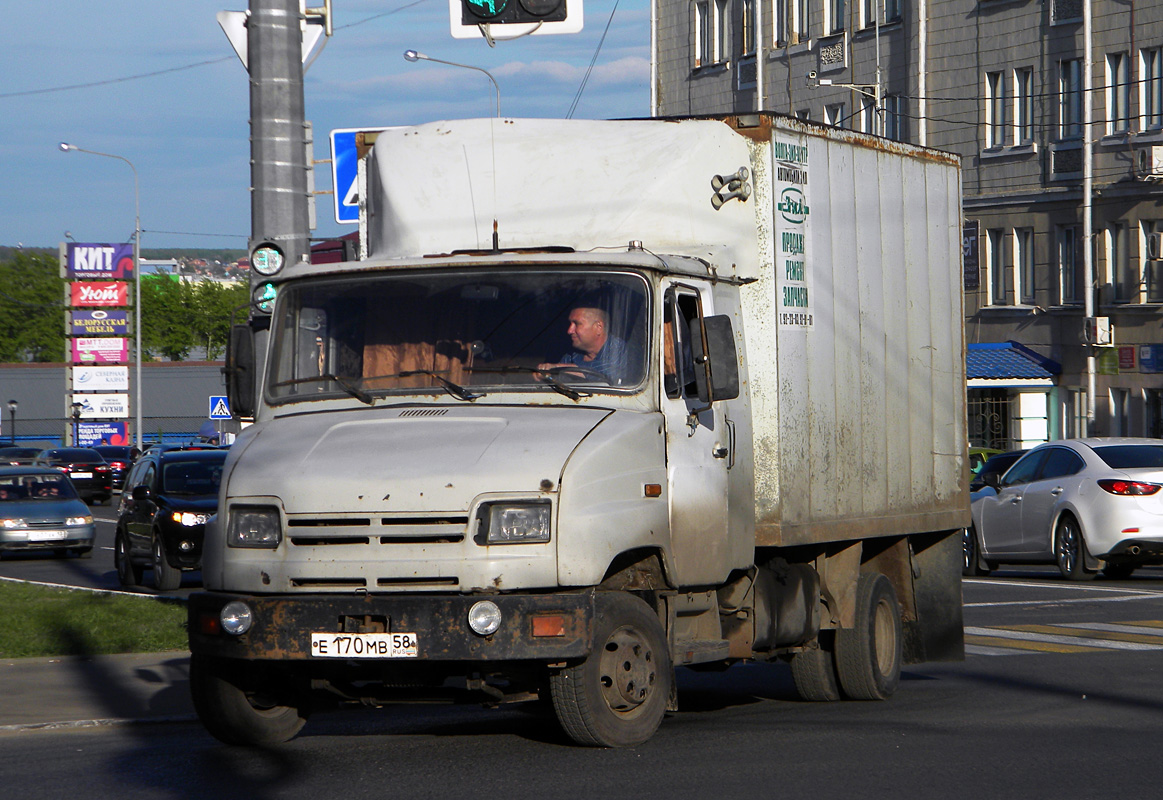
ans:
(1071, 637)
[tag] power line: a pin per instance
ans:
(590, 68)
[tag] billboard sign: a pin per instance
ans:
(103, 406)
(100, 379)
(94, 434)
(99, 261)
(99, 323)
(103, 294)
(108, 350)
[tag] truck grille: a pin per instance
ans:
(311, 531)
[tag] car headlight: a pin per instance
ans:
(517, 523)
(12, 523)
(189, 519)
(254, 527)
(74, 521)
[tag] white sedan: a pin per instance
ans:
(1082, 504)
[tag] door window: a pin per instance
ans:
(1026, 469)
(1061, 463)
(680, 309)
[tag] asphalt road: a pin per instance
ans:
(1060, 696)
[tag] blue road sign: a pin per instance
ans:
(344, 168)
(219, 407)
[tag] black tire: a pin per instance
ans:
(868, 655)
(84, 552)
(235, 715)
(1119, 571)
(128, 573)
(971, 554)
(814, 673)
(165, 577)
(618, 695)
(1070, 550)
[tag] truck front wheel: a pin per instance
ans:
(238, 708)
(868, 655)
(618, 695)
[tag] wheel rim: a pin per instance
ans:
(158, 556)
(969, 556)
(1067, 547)
(122, 559)
(884, 637)
(628, 671)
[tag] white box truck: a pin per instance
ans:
(600, 399)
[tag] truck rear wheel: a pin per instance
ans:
(618, 695)
(236, 708)
(814, 674)
(868, 656)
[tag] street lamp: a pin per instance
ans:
(414, 56)
(12, 419)
(65, 147)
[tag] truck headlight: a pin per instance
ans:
(517, 523)
(254, 527)
(236, 618)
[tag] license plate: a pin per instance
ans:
(81, 474)
(364, 645)
(47, 536)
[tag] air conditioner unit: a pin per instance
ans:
(1154, 246)
(1097, 331)
(1149, 161)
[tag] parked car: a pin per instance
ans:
(978, 456)
(40, 510)
(995, 465)
(87, 469)
(168, 496)
(1082, 504)
(19, 456)
(120, 458)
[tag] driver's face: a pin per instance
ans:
(586, 331)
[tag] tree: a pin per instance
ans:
(31, 302)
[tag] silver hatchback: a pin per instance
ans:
(1082, 504)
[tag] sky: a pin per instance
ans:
(71, 73)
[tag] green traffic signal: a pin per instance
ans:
(501, 12)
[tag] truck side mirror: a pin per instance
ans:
(716, 369)
(239, 370)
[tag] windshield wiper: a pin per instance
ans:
(454, 389)
(343, 383)
(547, 378)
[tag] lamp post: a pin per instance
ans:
(414, 56)
(12, 420)
(65, 147)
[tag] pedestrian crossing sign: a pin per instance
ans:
(219, 407)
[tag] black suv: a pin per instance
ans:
(168, 496)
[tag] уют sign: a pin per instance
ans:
(104, 294)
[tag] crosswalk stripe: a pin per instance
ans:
(1070, 638)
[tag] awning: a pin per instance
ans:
(1007, 364)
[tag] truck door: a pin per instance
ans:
(697, 448)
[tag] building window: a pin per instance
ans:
(722, 43)
(1068, 273)
(804, 114)
(1070, 99)
(894, 117)
(996, 266)
(868, 12)
(1074, 413)
(1118, 93)
(867, 115)
(835, 115)
(1023, 106)
(1118, 263)
(801, 21)
(1153, 413)
(995, 109)
(1119, 426)
(834, 22)
(1152, 267)
(892, 10)
(779, 28)
(703, 40)
(1024, 261)
(747, 26)
(1151, 87)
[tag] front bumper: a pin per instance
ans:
(283, 625)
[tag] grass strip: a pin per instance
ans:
(49, 621)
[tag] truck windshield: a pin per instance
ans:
(465, 334)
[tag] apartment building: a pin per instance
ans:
(1000, 83)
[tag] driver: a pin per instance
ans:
(595, 349)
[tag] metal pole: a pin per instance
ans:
(413, 56)
(1087, 221)
(65, 147)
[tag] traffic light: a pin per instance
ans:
(501, 12)
(509, 19)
